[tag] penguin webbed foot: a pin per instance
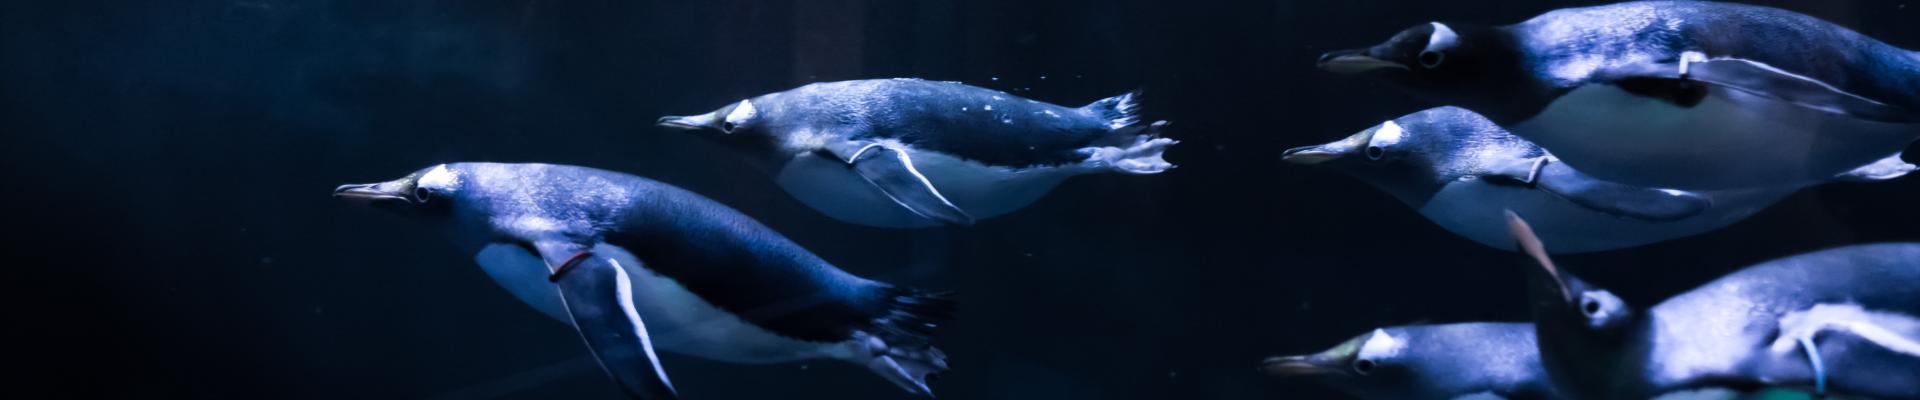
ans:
(908, 368)
(1140, 155)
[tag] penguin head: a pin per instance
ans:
(1442, 361)
(1414, 156)
(748, 118)
(1562, 300)
(1454, 63)
(431, 191)
(1377, 364)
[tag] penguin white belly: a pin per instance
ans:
(677, 320)
(1475, 209)
(1731, 139)
(983, 191)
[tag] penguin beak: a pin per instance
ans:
(1319, 153)
(368, 192)
(1355, 61)
(690, 122)
(1299, 366)
(1527, 242)
(1309, 155)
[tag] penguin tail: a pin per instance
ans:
(1120, 111)
(901, 348)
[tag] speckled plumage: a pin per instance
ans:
(706, 280)
(947, 153)
(729, 259)
(1577, 46)
(1452, 166)
(969, 122)
(1683, 94)
(1724, 333)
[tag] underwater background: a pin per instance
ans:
(168, 165)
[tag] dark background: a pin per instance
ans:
(167, 168)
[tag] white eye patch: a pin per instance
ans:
(1388, 135)
(1380, 345)
(1443, 38)
(742, 113)
(439, 178)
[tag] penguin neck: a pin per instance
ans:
(1409, 185)
(1589, 363)
(1508, 87)
(759, 151)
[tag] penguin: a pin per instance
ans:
(909, 153)
(634, 264)
(1689, 95)
(1481, 360)
(1461, 171)
(1843, 321)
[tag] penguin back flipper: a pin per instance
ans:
(901, 348)
(1139, 154)
(596, 293)
(1120, 111)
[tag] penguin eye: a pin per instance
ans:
(421, 195)
(1590, 306)
(1432, 59)
(727, 126)
(1376, 152)
(1363, 366)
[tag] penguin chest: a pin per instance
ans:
(676, 319)
(1730, 139)
(1476, 209)
(982, 190)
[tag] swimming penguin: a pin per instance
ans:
(1843, 321)
(1682, 94)
(1449, 361)
(636, 264)
(917, 153)
(1461, 171)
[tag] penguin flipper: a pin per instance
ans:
(597, 295)
(1626, 201)
(1884, 169)
(1757, 78)
(891, 170)
(1893, 332)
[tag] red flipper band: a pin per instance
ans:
(564, 267)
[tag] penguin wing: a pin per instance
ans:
(1626, 201)
(597, 295)
(1884, 169)
(889, 168)
(1678, 82)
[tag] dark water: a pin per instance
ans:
(168, 164)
